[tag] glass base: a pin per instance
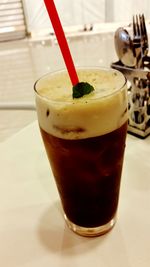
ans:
(93, 231)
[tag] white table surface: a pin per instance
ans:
(32, 229)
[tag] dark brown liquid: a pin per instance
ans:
(87, 174)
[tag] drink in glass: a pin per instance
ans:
(85, 140)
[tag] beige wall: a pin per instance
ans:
(80, 12)
(123, 10)
(72, 12)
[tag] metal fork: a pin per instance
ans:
(144, 36)
(137, 43)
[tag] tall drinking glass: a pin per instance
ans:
(85, 140)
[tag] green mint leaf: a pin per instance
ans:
(81, 89)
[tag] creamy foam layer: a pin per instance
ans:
(98, 113)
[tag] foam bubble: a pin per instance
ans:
(98, 113)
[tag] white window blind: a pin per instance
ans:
(12, 21)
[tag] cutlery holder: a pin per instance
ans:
(138, 82)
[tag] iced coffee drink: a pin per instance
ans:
(85, 141)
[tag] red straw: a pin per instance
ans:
(52, 11)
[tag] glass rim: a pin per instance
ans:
(63, 70)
